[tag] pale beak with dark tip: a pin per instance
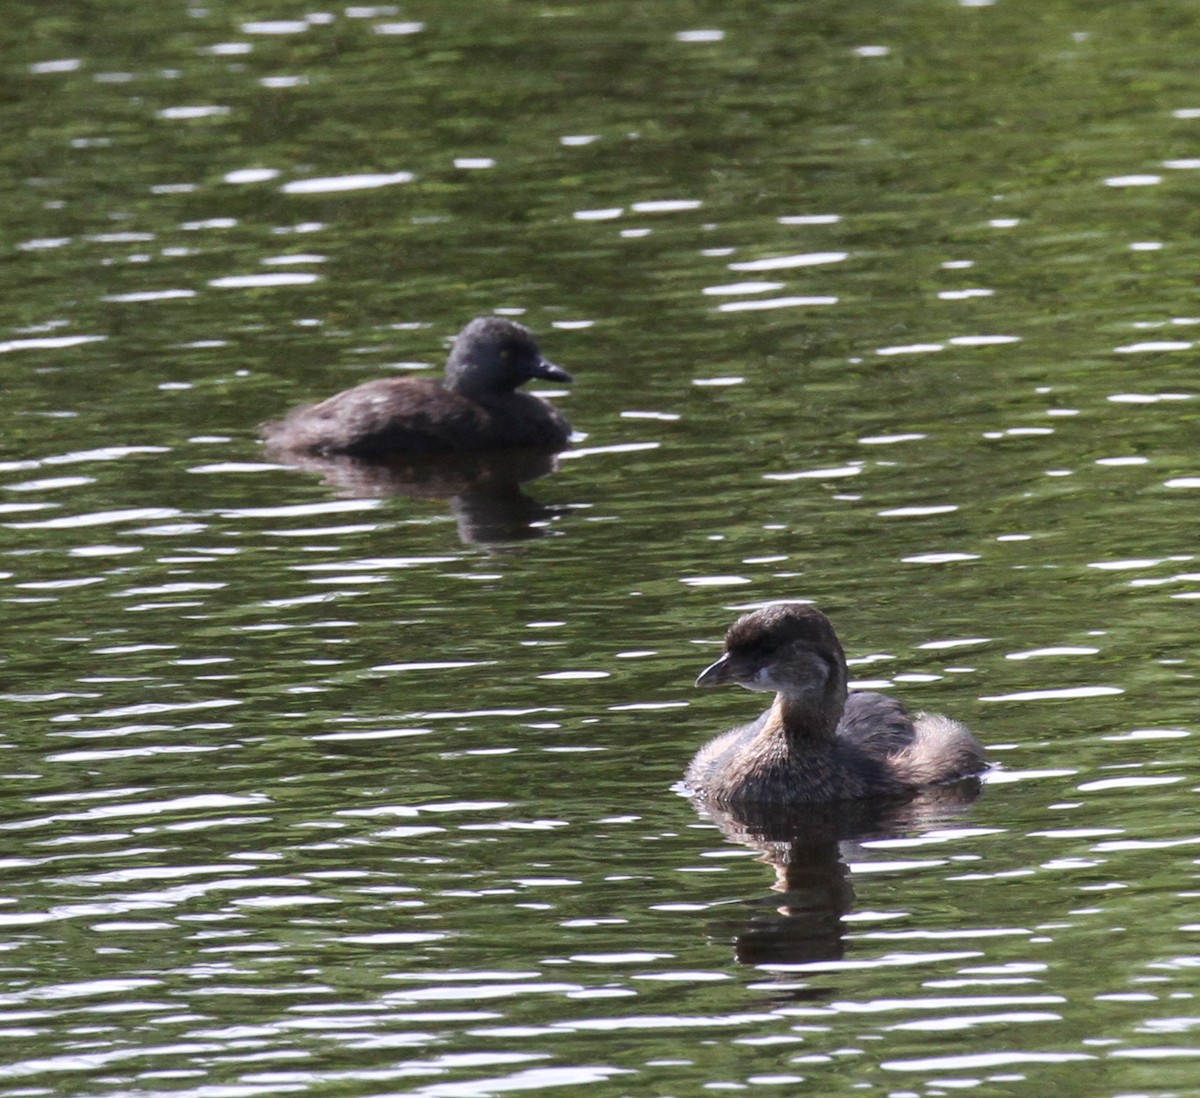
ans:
(546, 369)
(717, 673)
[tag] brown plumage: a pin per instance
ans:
(817, 743)
(475, 407)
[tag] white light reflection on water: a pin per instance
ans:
(48, 343)
(787, 262)
(99, 518)
(263, 281)
(774, 303)
(743, 288)
(1056, 694)
(972, 1061)
(343, 183)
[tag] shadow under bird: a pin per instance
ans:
(475, 407)
(818, 742)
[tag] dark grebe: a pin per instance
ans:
(476, 407)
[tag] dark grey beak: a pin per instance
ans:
(715, 674)
(550, 372)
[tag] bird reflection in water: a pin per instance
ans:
(804, 922)
(484, 489)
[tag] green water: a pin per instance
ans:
(316, 790)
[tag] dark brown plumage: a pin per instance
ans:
(817, 743)
(475, 407)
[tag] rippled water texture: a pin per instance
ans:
(331, 781)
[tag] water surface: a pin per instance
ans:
(312, 788)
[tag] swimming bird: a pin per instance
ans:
(817, 743)
(476, 406)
